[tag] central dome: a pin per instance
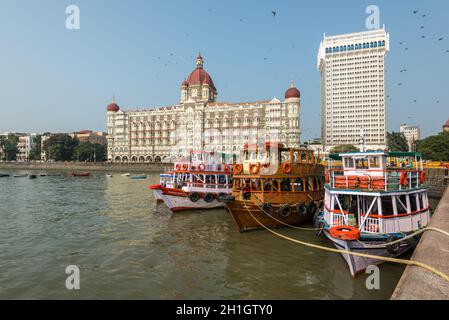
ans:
(199, 76)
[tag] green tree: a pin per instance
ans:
(35, 153)
(397, 142)
(9, 148)
(87, 151)
(60, 147)
(435, 148)
(344, 148)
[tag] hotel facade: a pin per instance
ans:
(199, 122)
(352, 69)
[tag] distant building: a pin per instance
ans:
(24, 147)
(90, 136)
(446, 126)
(317, 146)
(352, 68)
(411, 133)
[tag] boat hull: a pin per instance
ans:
(240, 212)
(180, 202)
(358, 264)
(158, 195)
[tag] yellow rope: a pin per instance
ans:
(388, 259)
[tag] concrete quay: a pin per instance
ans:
(89, 166)
(433, 249)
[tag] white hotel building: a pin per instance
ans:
(411, 133)
(199, 122)
(352, 68)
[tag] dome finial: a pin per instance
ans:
(199, 60)
(113, 98)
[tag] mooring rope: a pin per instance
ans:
(388, 259)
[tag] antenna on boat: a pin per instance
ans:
(362, 140)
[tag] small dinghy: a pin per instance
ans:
(125, 175)
(108, 175)
(43, 174)
(139, 177)
(20, 175)
(4, 175)
(54, 175)
(33, 176)
(80, 174)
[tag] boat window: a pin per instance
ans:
(267, 185)
(349, 163)
(374, 162)
(237, 184)
(221, 179)
(275, 184)
(286, 185)
(255, 185)
(298, 185)
(361, 163)
(387, 206)
(401, 202)
(315, 183)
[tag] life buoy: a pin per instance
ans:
(285, 211)
(194, 196)
(254, 168)
(227, 168)
(267, 208)
(185, 166)
(302, 209)
(287, 168)
(209, 197)
(422, 177)
(403, 179)
(238, 168)
(201, 167)
(345, 233)
(178, 166)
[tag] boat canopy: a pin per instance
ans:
(338, 156)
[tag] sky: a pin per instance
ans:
(57, 80)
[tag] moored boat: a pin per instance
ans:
(195, 183)
(277, 185)
(139, 177)
(126, 175)
(33, 176)
(4, 175)
(21, 175)
(80, 174)
(108, 175)
(372, 206)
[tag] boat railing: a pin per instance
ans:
(376, 180)
(200, 166)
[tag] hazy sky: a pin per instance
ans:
(55, 79)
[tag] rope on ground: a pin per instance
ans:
(388, 259)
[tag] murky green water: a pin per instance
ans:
(128, 247)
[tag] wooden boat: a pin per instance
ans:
(195, 183)
(80, 174)
(277, 185)
(369, 204)
(21, 175)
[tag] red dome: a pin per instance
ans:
(113, 107)
(292, 92)
(200, 76)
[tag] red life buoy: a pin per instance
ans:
(422, 177)
(227, 168)
(185, 166)
(238, 168)
(254, 168)
(178, 166)
(287, 168)
(201, 167)
(345, 233)
(403, 179)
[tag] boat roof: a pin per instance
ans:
(338, 156)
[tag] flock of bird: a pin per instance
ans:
(401, 43)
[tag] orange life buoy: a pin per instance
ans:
(403, 179)
(227, 168)
(201, 167)
(345, 233)
(287, 168)
(254, 168)
(185, 166)
(238, 168)
(178, 166)
(422, 177)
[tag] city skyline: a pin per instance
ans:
(64, 82)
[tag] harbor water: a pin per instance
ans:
(127, 246)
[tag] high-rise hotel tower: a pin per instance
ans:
(352, 68)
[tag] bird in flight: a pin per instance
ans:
(423, 37)
(422, 27)
(273, 13)
(415, 11)
(400, 84)
(424, 16)
(440, 39)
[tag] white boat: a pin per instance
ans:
(371, 203)
(108, 175)
(196, 183)
(126, 175)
